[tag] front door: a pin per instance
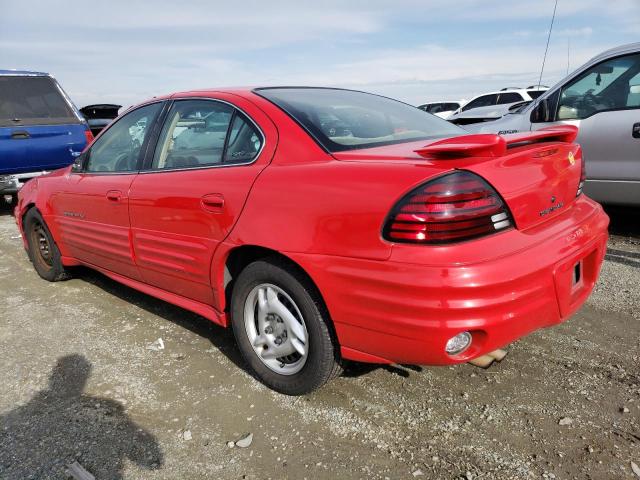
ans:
(604, 102)
(92, 210)
(190, 195)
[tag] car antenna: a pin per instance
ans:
(553, 17)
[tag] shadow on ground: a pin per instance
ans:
(221, 338)
(61, 425)
(6, 208)
(624, 220)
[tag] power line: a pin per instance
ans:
(544, 59)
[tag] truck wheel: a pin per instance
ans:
(282, 328)
(43, 251)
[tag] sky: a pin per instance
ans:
(417, 51)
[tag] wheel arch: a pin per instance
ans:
(239, 257)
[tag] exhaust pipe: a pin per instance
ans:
(485, 361)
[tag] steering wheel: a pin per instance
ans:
(590, 103)
(123, 162)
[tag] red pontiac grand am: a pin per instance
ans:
(326, 224)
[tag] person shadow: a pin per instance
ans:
(61, 425)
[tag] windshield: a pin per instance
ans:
(345, 120)
(32, 101)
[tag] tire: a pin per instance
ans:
(311, 357)
(43, 251)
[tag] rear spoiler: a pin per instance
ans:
(492, 145)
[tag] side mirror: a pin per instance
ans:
(540, 112)
(77, 165)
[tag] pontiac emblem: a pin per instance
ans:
(553, 199)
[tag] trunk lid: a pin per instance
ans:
(536, 173)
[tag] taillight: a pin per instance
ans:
(88, 135)
(454, 207)
(583, 176)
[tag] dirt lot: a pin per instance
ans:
(81, 381)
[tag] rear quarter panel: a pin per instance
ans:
(327, 207)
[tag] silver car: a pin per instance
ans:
(602, 98)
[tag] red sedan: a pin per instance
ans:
(326, 224)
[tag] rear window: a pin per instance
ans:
(510, 97)
(535, 93)
(346, 120)
(32, 101)
(483, 101)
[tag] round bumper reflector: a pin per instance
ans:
(458, 344)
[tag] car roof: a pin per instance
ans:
(629, 47)
(24, 73)
(443, 101)
(509, 90)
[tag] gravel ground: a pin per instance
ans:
(83, 379)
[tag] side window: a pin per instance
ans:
(118, 149)
(483, 101)
(244, 141)
(634, 92)
(509, 97)
(610, 85)
(193, 135)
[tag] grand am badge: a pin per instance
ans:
(554, 206)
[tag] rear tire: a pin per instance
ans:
(282, 328)
(43, 251)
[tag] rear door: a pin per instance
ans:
(92, 208)
(39, 129)
(194, 187)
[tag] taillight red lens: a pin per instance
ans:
(88, 135)
(583, 176)
(455, 207)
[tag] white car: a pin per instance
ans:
(442, 109)
(498, 101)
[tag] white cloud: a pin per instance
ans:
(125, 51)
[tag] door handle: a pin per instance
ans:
(114, 195)
(635, 130)
(213, 202)
(20, 134)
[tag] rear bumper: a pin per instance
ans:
(405, 311)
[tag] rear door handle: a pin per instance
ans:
(114, 195)
(213, 202)
(20, 134)
(635, 130)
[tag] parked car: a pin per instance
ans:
(326, 224)
(493, 105)
(602, 97)
(442, 109)
(100, 115)
(485, 114)
(40, 128)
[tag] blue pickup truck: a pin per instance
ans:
(40, 128)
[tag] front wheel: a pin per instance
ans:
(282, 328)
(43, 251)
